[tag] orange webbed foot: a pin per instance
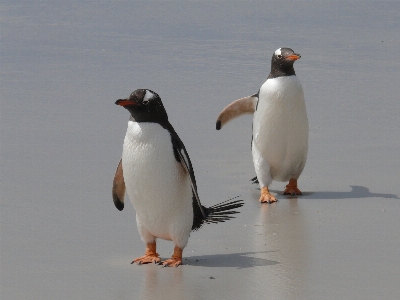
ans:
(172, 262)
(151, 256)
(147, 259)
(291, 188)
(266, 196)
(175, 260)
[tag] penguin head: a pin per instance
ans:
(282, 62)
(144, 106)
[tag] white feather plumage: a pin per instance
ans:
(157, 185)
(280, 131)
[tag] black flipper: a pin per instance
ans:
(118, 189)
(182, 156)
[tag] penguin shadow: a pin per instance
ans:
(233, 260)
(357, 192)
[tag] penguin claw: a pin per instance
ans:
(269, 201)
(147, 259)
(266, 196)
(291, 192)
(173, 262)
(291, 188)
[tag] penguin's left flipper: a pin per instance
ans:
(118, 189)
(246, 105)
(182, 157)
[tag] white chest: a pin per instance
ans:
(156, 183)
(281, 95)
(280, 125)
(281, 108)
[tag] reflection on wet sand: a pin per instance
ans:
(280, 229)
(163, 283)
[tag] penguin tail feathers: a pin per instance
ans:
(220, 212)
(254, 180)
(223, 211)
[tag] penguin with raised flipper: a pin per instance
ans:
(156, 171)
(280, 125)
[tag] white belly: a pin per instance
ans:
(280, 127)
(157, 185)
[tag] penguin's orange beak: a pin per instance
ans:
(124, 102)
(294, 57)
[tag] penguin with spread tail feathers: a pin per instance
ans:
(280, 125)
(156, 171)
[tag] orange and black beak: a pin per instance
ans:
(125, 102)
(294, 57)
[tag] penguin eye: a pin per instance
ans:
(279, 56)
(146, 101)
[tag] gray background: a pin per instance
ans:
(63, 65)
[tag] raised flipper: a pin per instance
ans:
(246, 105)
(118, 189)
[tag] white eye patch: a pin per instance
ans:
(148, 96)
(278, 52)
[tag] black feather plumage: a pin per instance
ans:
(220, 212)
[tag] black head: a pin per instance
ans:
(282, 62)
(145, 106)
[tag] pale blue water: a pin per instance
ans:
(63, 65)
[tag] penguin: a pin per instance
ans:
(157, 174)
(280, 126)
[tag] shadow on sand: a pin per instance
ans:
(234, 260)
(356, 192)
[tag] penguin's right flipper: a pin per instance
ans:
(246, 105)
(118, 189)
